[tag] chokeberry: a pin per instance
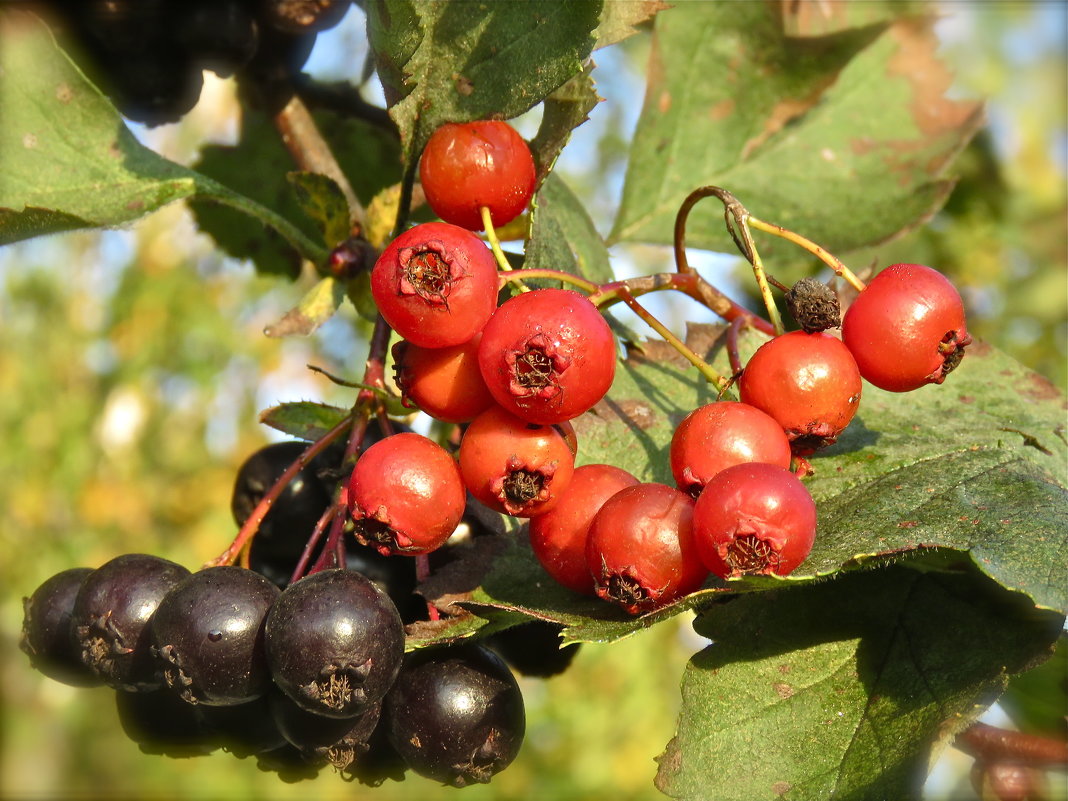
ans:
(906, 328)
(466, 166)
(46, 631)
(334, 643)
(208, 635)
(754, 519)
(162, 724)
(435, 284)
(533, 649)
(323, 740)
(547, 355)
(456, 714)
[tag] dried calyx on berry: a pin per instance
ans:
(814, 305)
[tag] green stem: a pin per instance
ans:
(759, 273)
(518, 276)
(820, 253)
(495, 243)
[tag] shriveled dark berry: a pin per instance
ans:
(814, 305)
(456, 714)
(208, 636)
(162, 724)
(322, 740)
(335, 642)
(111, 615)
(46, 631)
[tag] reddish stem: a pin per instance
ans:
(733, 354)
(422, 570)
(992, 744)
(316, 535)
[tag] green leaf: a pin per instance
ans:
(315, 308)
(1036, 700)
(621, 19)
(563, 236)
(303, 419)
(844, 138)
(468, 60)
(564, 110)
(67, 161)
(322, 199)
(842, 690)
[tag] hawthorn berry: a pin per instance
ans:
(754, 519)
(466, 166)
(405, 495)
(906, 328)
(641, 550)
(558, 537)
(809, 383)
(513, 466)
(547, 355)
(435, 284)
(446, 383)
(718, 435)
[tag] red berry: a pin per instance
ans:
(809, 383)
(444, 382)
(906, 328)
(547, 355)
(558, 537)
(718, 435)
(466, 166)
(405, 495)
(436, 284)
(641, 549)
(513, 466)
(754, 519)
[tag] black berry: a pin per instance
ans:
(46, 630)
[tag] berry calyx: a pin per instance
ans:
(446, 383)
(641, 550)
(405, 495)
(466, 166)
(809, 383)
(547, 355)
(718, 435)
(906, 328)
(513, 466)
(435, 284)
(754, 519)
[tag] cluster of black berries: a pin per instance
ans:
(300, 673)
(149, 55)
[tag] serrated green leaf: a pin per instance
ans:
(621, 19)
(303, 419)
(563, 237)
(67, 160)
(322, 199)
(842, 690)
(563, 111)
(844, 138)
(468, 60)
(315, 308)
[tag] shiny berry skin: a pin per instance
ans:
(406, 495)
(208, 635)
(906, 328)
(558, 537)
(435, 284)
(46, 634)
(547, 355)
(718, 435)
(466, 166)
(446, 383)
(111, 615)
(334, 643)
(513, 466)
(455, 714)
(809, 383)
(641, 549)
(754, 519)
(322, 740)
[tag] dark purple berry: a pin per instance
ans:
(46, 631)
(456, 714)
(110, 618)
(208, 635)
(335, 642)
(243, 729)
(533, 649)
(322, 740)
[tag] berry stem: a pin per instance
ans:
(494, 242)
(422, 571)
(820, 253)
(316, 535)
(733, 353)
(990, 743)
(517, 276)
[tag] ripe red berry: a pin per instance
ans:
(906, 328)
(547, 355)
(435, 284)
(513, 466)
(405, 495)
(718, 435)
(641, 549)
(558, 537)
(466, 166)
(446, 383)
(809, 383)
(754, 519)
